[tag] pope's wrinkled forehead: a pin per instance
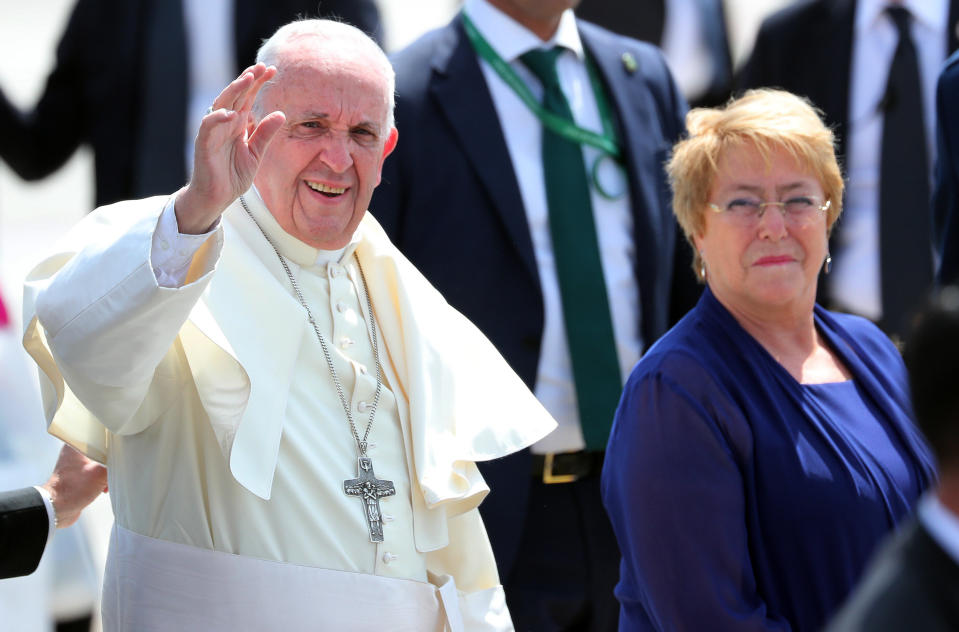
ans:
(327, 48)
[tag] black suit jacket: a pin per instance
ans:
(646, 20)
(23, 531)
(912, 584)
(450, 201)
(93, 93)
(806, 49)
(945, 195)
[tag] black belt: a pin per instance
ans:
(567, 467)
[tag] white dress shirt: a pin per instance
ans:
(614, 223)
(684, 45)
(51, 512)
(856, 284)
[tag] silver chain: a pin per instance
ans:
(361, 444)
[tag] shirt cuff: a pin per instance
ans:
(172, 251)
(51, 513)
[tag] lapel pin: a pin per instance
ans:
(629, 62)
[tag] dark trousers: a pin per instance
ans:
(568, 563)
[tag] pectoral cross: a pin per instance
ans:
(370, 489)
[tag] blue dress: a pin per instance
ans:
(743, 500)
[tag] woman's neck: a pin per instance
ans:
(791, 338)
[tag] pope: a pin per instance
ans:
(290, 414)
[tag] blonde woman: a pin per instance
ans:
(764, 445)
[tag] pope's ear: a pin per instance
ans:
(388, 148)
(391, 142)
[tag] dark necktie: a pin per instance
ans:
(161, 129)
(904, 232)
(589, 328)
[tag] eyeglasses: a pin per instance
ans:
(797, 210)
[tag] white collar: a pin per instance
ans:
(510, 39)
(932, 14)
(302, 254)
(942, 524)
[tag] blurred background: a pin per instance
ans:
(34, 215)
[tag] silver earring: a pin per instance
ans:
(702, 271)
(828, 265)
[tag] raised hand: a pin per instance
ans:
(227, 152)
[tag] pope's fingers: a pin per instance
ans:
(264, 132)
(217, 124)
(218, 131)
(245, 102)
(230, 95)
(243, 97)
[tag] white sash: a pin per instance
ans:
(153, 584)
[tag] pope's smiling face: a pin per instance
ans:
(318, 174)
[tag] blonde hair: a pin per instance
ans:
(765, 119)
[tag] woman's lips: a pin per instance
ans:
(773, 260)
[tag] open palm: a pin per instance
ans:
(228, 151)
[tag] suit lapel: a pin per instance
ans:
(626, 92)
(640, 132)
(470, 113)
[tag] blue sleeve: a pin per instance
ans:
(675, 495)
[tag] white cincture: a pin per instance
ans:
(153, 584)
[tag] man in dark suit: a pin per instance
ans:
(691, 33)
(117, 86)
(27, 515)
(913, 584)
(474, 200)
(848, 57)
(945, 193)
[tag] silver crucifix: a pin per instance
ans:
(370, 489)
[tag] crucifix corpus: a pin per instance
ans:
(370, 489)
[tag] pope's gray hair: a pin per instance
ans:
(331, 34)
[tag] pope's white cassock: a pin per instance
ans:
(227, 445)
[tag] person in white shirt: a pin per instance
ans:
(535, 199)
(289, 412)
(913, 582)
(871, 66)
